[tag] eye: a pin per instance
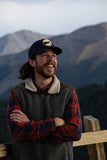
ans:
(44, 55)
(54, 55)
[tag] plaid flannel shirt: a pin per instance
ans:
(45, 130)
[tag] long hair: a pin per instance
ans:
(26, 71)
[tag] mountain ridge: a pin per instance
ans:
(83, 61)
(18, 41)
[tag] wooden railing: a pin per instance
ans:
(93, 138)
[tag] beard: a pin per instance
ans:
(43, 72)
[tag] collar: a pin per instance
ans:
(46, 89)
(55, 87)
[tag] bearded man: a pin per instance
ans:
(43, 114)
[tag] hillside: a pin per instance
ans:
(18, 41)
(85, 43)
(83, 61)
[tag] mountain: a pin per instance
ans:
(83, 61)
(83, 44)
(18, 41)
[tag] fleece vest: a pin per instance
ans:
(40, 107)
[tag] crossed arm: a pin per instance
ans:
(19, 116)
(53, 130)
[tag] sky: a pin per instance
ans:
(52, 17)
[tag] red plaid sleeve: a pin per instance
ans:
(29, 130)
(71, 131)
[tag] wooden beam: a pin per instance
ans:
(91, 138)
(3, 150)
(96, 151)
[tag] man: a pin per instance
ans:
(43, 114)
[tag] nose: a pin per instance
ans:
(50, 58)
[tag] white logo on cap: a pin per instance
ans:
(47, 42)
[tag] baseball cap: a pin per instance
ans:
(40, 45)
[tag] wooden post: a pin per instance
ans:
(5, 150)
(96, 151)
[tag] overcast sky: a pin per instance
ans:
(50, 16)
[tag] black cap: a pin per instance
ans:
(40, 45)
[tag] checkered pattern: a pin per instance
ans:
(45, 130)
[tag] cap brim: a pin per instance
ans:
(56, 50)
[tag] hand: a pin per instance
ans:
(19, 116)
(59, 122)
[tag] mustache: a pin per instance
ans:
(50, 64)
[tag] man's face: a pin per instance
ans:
(46, 63)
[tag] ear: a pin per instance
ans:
(32, 62)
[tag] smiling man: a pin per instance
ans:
(43, 114)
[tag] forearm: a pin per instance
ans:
(31, 130)
(68, 132)
(71, 131)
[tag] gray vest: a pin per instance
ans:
(40, 107)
